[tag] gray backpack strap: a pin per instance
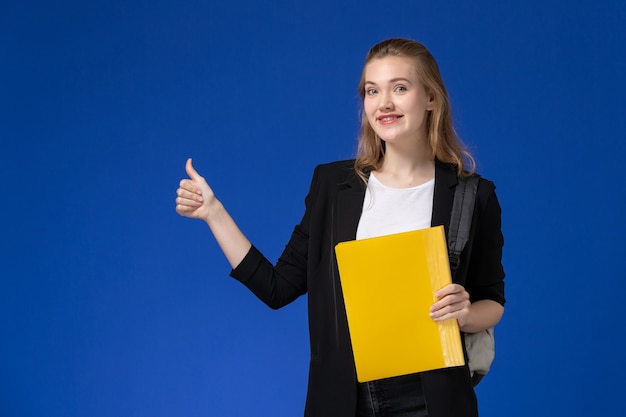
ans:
(480, 347)
(461, 219)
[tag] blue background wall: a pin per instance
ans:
(113, 305)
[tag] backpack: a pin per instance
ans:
(480, 347)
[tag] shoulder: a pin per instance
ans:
(346, 165)
(487, 202)
(486, 190)
(338, 171)
(485, 193)
(329, 178)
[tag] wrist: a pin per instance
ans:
(482, 315)
(215, 211)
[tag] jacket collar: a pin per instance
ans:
(351, 193)
(445, 183)
(348, 207)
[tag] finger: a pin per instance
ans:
(441, 313)
(439, 309)
(455, 301)
(444, 317)
(193, 174)
(448, 290)
(448, 308)
(188, 202)
(452, 311)
(185, 209)
(189, 195)
(190, 186)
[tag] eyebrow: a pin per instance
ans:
(393, 80)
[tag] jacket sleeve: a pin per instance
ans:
(280, 284)
(485, 274)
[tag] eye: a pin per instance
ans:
(370, 91)
(401, 89)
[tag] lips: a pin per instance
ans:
(388, 118)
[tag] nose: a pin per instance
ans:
(385, 103)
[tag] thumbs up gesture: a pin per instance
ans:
(197, 201)
(195, 197)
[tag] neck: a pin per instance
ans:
(407, 166)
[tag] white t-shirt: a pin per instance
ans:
(394, 210)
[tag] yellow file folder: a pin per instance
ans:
(388, 285)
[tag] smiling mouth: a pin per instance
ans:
(388, 119)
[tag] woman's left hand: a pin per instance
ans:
(453, 303)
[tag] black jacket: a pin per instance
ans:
(308, 265)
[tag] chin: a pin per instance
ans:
(391, 138)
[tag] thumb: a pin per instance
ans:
(193, 174)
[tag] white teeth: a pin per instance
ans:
(387, 119)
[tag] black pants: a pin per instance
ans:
(392, 397)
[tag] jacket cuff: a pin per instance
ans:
(248, 265)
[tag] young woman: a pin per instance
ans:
(408, 163)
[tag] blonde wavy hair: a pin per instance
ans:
(445, 144)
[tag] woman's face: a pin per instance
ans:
(396, 101)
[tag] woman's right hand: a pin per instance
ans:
(196, 200)
(195, 197)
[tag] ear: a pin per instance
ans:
(431, 101)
